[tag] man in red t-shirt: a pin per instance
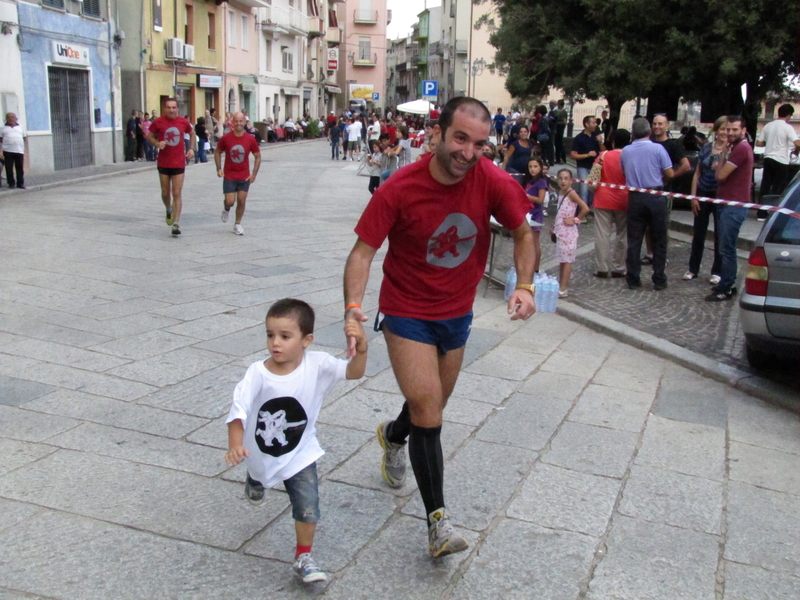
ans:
(735, 177)
(435, 213)
(237, 145)
(166, 133)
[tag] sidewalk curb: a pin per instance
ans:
(753, 385)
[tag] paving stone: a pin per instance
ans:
(14, 391)
(746, 582)
(757, 528)
(39, 329)
(18, 454)
(144, 345)
(245, 341)
(411, 569)
(27, 426)
(553, 386)
(687, 448)
(524, 421)
(559, 499)
(63, 355)
(350, 517)
(753, 422)
(162, 501)
(113, 310)
(765, 468)
(650, 560)
(662, 496)
(474, 488)
(13, 513)
(385, 381)
(123, 326)
(214, 326)
(466, 411)
(612, 407)
(545, 333)
(339, 444)
(591, 449)
(79, 550)
(573, 363)
(480, 342)
(483, 388)
(142, 448)
(170, 367)
(190, 311)
(553, 565)
(362, 409)
(100, 384)
(506, 363)
(588, 342)
(687, 396)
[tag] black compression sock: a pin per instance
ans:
(397, 432)
(425, 454)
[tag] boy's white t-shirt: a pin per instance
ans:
(280, 413)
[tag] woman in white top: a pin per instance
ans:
(13, 152)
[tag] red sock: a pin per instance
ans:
(302, 550)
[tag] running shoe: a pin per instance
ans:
(237, 229)
(393, 461)
(306, 570)
(442, 538)
(176, 229)
(169, 217)
(224, 215)
(253, 490)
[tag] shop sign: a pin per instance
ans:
(209, 81)
(70, 54)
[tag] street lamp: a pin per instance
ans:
(477, 67)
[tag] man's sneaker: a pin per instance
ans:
(253, 490)
(442, 538)
(224, 215)
(176, 229)
(720, 296)
(237, 229)
(393, 462)
(169, 217)
(306, 570)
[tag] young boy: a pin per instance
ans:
(272, 422)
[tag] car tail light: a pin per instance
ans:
(757, 278)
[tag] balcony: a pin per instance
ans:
(316, 27)
(403, 66)
(333, 36)
(365, 60)
(461, 47)
(420, 58)
(365, 17)
(421, 32)
(284, 20)
(435, 49)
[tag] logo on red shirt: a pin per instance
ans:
(237, 153)
(452, 242)
(172, 136)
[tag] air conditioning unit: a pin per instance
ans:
(174, 49)
(188, 53)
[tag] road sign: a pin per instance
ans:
(333, 59)
(376, 96)
(430, 89)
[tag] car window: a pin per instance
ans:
(786, 229)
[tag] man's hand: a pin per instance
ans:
(161, 145)
(220, 172)
(357, 315)
(592, 153)
(190, 153)
(521, 305)
(252, 178)
(695, 207)
(235, 455)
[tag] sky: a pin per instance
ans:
(404, 15)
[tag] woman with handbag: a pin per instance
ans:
(610, 209)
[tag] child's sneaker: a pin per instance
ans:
(306, 570)
(393, 461)
(442, 538)
(253, 490)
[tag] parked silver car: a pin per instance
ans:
(770, 304)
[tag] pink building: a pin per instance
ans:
(362, 74)
(240, 56)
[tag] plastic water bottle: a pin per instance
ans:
(537, 297)
(552, 294)
(511, 282)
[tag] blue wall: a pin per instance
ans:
(36, 51)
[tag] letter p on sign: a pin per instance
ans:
(430, 88)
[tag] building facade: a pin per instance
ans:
(362, 73)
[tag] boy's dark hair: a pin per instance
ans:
(784, 110)
(297, 309)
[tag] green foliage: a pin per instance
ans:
(312, 130)
(621, 49)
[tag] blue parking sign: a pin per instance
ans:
(376, 96)
(430, 88)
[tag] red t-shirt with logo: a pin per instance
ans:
(171, 131)
(737, 185)
(237, 154)
(439, 236)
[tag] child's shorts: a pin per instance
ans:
(303, 490)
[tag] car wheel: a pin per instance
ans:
(756, 358)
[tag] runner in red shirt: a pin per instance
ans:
(166, 133)
(435, 214)
(237, 146)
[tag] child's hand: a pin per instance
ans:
(354, 330)
(235, 455)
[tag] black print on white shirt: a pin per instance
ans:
(281, 423)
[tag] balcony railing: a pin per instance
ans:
(285, 18)
(333, 35)
(368, 17)
(435, 49)
(316, 26)
(420, 58)
(365, 60)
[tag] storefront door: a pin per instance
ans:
(70, 118)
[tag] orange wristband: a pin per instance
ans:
(349, 306)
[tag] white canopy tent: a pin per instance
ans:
(416, 107)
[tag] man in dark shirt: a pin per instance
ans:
(131, 128)
(585, 149)
(561, 124)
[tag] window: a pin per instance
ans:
(91, 8)
(245, 41)
(212, 31)
(53, 3)
(364, 53)
(268, 57)
(188, 33)
(231, 29)
(313, 9)
(287, 60)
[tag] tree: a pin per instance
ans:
(627, 48)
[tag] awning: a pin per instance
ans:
(417, 107)
(291, 91)
(333, 89)
(248, 83)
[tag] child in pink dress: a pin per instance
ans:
(566, 228)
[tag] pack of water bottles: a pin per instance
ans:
(546, 296)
